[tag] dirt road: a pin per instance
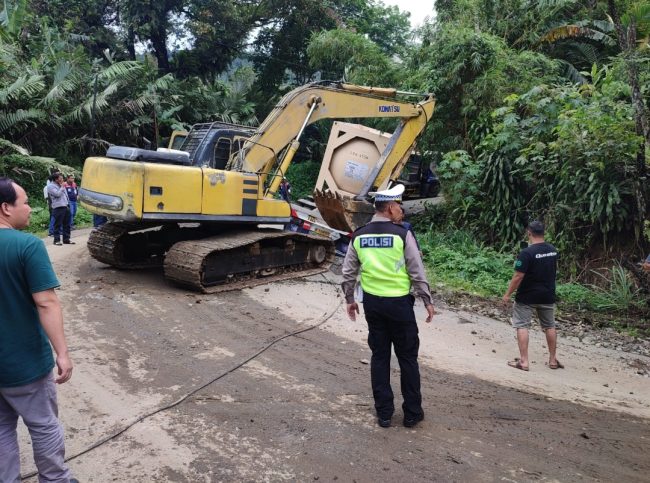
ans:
(302, 410)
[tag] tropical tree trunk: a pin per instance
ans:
(130, 42)
(159, 42)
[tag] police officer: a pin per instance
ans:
(387, 256)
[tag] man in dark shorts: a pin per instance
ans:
(534, 281)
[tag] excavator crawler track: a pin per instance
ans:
(136, 246)
(240, 259)
(113, 245)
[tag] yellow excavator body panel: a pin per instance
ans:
(117, 186)
(232, 193)
(171, 189)
(134, 191)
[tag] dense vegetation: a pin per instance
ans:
(542, 104)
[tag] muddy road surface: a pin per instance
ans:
(302, 409)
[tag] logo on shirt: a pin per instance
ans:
(544, 255)
(518, 264)
(376, 242)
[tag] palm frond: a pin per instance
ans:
(603, 25)
(576, 31)
(26, 85)
(65, 81)
(164, 82)
(6, 145)
(10, 120)
(8, 53)
(102, 103)
(126, 71)
(639, 14)
(588, 52)
(12, 18)
(570, 72)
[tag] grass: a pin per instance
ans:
(40, 219)
(455, 260)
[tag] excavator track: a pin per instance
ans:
(241, 259)
(113, 245)
(135, 246)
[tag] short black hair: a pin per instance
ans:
(7, 191)
(54, 176)
(381, 206)
(536, 227)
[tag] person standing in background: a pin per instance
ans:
(534, 282)
(50, 230)
(285, 190)
(60, 210)
(71, 189)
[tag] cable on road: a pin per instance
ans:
(113, 436)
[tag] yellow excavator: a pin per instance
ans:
(208, 219)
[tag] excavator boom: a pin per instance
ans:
(334, 101)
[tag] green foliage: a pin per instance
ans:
(456, 259)
(302, 177)
(95, 103)
(384, 25)
(471, 72)
(31, 172)
(563, 154)
(39, 221)
(620, 293)
(350, 55)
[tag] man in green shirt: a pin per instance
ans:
(30, 320)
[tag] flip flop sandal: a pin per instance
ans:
(516, 364)
(557, 365)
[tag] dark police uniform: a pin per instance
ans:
(387, 256)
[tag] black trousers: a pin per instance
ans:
(61, 223)
(391, 321)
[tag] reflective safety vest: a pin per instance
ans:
(380, 248)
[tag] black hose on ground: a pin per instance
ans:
(194, 391)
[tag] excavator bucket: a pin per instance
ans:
(341, 212)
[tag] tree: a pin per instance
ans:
(150, 22)
(343, 54)
(89, 20)
(280, 49)
(387, 26)
(470, 74)
(219, 30)
(628, 27)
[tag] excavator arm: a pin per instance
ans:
(313, 102)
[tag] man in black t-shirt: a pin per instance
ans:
(534, 281)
